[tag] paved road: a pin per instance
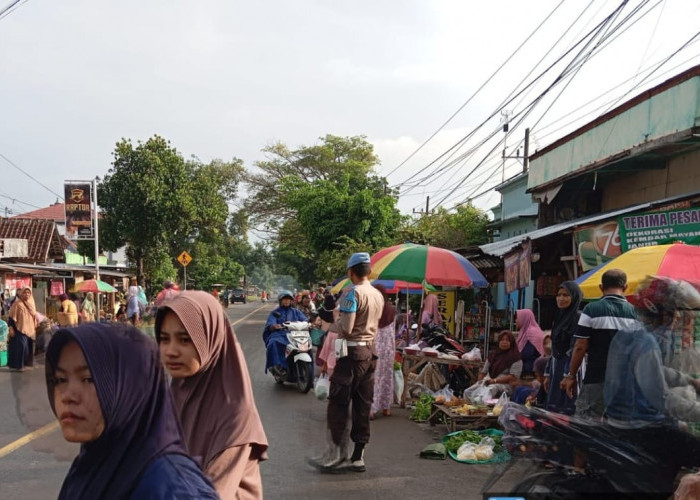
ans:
(295, 426)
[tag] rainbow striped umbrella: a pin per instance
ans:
(678, 261)
(419, 263)
(392, 286)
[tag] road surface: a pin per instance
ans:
(34, 467)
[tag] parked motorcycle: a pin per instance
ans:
(299, 356)
(584, 459)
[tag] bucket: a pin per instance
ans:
(3, 358)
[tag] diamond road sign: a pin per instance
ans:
(184, 258)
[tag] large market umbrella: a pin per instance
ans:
(677, 261)
(392, 286)
(94, 286)
(419, 263)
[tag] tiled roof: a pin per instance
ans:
(56, 212)
(44, 242)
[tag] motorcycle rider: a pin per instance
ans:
(643, 395)
(275, 333)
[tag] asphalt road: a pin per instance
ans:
(295, 427)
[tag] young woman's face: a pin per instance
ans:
(75, 397)
(563, 298)
(176, 348)
(504, 343)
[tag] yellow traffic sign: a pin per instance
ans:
(184, 258)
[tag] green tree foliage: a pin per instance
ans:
(321, 200)
(158, 204)
(464, 227)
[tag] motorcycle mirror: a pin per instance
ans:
(414, 326)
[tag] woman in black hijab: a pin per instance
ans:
(568, 301)
(107, 388)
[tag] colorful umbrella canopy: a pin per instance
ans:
(94, 286)
(418, 263)
(392, 286)
(677, 261)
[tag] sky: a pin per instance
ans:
(223, 79)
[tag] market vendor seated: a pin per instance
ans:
(502, 370)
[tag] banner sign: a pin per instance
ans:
(524, 266)
(14, 282)
(446, 306)
(597, 244)
(651, 228)
(511, 270)
(57, 287)
(517, 267)
(78, 196)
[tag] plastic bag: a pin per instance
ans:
(322, 387)
(502, 401)
(467, 451)
(398, 385)
(478, 392)
(443, 395)
(473, 355)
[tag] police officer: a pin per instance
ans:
(352, 381)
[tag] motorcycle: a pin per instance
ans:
(570, 457)
(299, 356)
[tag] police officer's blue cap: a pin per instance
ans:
(358, 258)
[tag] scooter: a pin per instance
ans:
(610, 468)
(299, 356)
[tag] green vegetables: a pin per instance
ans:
(457, 440)
(421, 411)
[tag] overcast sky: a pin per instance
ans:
(222, 79)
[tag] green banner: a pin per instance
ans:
(654, 228)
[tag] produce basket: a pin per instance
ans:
(498, 456)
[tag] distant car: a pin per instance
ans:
(238, 295)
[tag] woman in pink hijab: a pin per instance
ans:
(431, 311)
(530, 337)
(213, 394)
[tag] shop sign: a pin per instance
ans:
(14, 247)
(517, 267)
(15, 282)
(57, 287)
(78, 196)
(597, 244)
(664, 226)
(446, 306)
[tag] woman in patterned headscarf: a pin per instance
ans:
(22, 331)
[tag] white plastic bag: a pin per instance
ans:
(473, 355)
(322, 387)
(502, 401)
(467, 451)
(398, 385)
(478, 392)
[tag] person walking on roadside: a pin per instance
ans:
(133, 307)
(385, 349)
(565, 323)
(88, 308)
(599, 322)
(22, 331)
(352, 381)
(167, 293)
(109, 393)
(213, 393)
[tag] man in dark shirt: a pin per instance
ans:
(599, 322)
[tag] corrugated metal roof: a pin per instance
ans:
(500, 248)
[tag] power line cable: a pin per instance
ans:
(478, 90)
(30, 176)
(11, 8)
(15, 200)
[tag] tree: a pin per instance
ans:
(158, 204)
(319, 199)
(464, 227)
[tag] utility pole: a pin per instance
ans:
(427, 207)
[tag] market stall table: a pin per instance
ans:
(413, 362)
(454, 420)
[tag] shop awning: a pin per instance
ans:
(500, 248)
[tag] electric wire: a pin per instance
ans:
(481, 87)
(30, 176)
